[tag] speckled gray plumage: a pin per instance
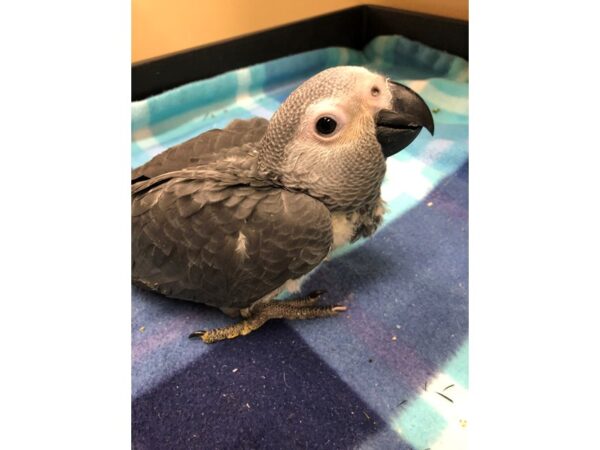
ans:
(204, 149)
(348, 181)
(187, 225)
(229, 217)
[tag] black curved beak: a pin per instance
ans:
(396, 128)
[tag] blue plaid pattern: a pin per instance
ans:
(389, 373)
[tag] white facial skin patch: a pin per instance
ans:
(350, 113)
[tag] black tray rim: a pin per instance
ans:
(352, 27)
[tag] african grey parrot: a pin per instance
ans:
(233, 217)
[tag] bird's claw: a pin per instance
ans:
(303, 308)
(317, 293)
(197, 334)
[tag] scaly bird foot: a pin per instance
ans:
(293, 309)
(309, 300)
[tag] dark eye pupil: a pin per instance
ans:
(326, 125)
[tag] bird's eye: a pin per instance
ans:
(375, 91)
(326, 125)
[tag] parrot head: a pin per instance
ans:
(332, 134)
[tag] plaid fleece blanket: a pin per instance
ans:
(389, 373)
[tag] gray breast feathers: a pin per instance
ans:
(226, 246)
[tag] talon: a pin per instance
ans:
(317, 293)
(197, 334)
(302, 308)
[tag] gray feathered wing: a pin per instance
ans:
(205, 149)
(200, 238)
